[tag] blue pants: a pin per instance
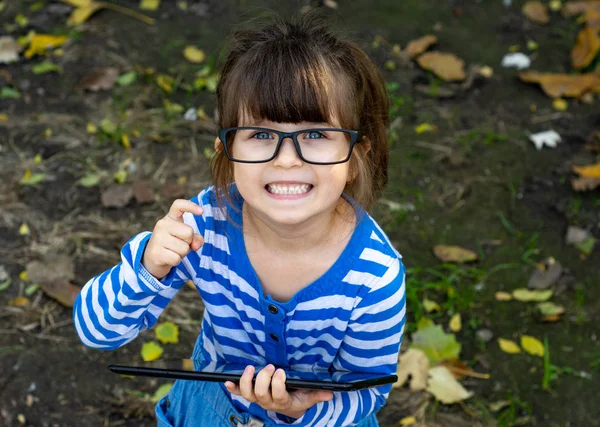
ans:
(207, 404)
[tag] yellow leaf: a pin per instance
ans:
(589, 171)
(425, 127)
(23, 276)
(18, 302)
(407, 421)
(82, 13)
(446, 66)
(201, 113)
(151, 351)
(514, 48)
(182, 5)
(568, 85)
(560, 104)
(40, 43)
(555, 5)
(91, 128)
(3, 117)
(445, 387)
(125, 141)
(508, 346)
(532, 45)
(588, 45)
(165, 82)
(24, 230)
(120, 176)
(149, 4)
(37, 159)
(417, 47)
(454, 254)
(193, 54)
(486, 71)
(455, 323)
(48, 132)
(532, 345)
(527, 295)
(503, 296)
(167, 332)
(77, 3)
(430, 305)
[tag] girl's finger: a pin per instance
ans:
(278, 390)
(246, 388)
(262, 385)
(232, 388)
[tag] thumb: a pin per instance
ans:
(197, 242)
(320, 396)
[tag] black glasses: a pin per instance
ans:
(319, 146)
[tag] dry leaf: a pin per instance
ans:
(54, 268)
(18, 302)
(589, 171)
(40, 43)
(536, 11)
(460, 369)
(446, 66)
(503, 296)
(416, 364)
(454, 254)
(417, 47)
(103, 78)
(578, 7)
(407, 421)
(455, 323)
(117, 196)
(83, 12)
(143, 194)
(586, 48)
(532, 346)
(527, 295)
(63, 292)
(193, 54)
(444, 386)
(585, 184)
(86, 8)
(557, 85)
(508, 346)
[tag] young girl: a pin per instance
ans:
(292, 270)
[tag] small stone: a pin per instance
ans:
(545, 275)
(576, 235)
(485, 335)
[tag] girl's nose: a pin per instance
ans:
(287, 155)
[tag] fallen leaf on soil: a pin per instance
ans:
(407, 421)
(560, 104)
(550, 309)
(549, 138)
(455, 323)
(444, 386)
(454, 254)
(5, 284)
(417, 47)
(149, 4)
(40, 43)
(517, 60)
(589, 171)
(165, 82)
(46, 67)
(18, 302)
(161, 392)
(527, 295)
(425, 127)
(424, 322)
(89, 180)
(503, 296)
(413, 363)
(585, 184)
(193, 54)
(578, 7)
(117, 196)
(143, 194)
(508, 346)
(100, 79)
(557, 85)
(436, 344)
(460, 369)
(24, 230)
(86, 8)
(32, 179)
(151, 351)
(63, 292)
(9, 50)
(430, 305)
(446, 66)
(497, 406)
(586, 48)
(536, 11)
(167, 333)
(55, 267)
(532, 345)
(546, 274)
(587, 246)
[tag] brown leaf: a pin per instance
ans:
(53, 268)
(454, 254)
(557, 85)
(172, 190)
(417, 47)
(536, 11)
(578, 7)
(446, 66)
(63, 292)
(588, 45)
(100, 79)
(117, 196)
(143, 194)
(585, 184)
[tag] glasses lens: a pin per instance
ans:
(316, 146)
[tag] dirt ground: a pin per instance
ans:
(477, 182)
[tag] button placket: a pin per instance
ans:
(275, 333)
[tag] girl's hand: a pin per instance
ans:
(171, 239)
(270, 393)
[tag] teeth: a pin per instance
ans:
(288, 189)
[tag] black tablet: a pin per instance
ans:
(188, 369)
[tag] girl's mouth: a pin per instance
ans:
(288, 189)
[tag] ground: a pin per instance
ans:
(477, 182)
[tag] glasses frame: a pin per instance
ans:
(294, 136)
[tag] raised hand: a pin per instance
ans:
(270, 393)
(172, 239)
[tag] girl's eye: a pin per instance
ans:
(314, 135)
(262, 135)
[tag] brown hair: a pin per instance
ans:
(294, 71)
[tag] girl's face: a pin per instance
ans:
(286, 190)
